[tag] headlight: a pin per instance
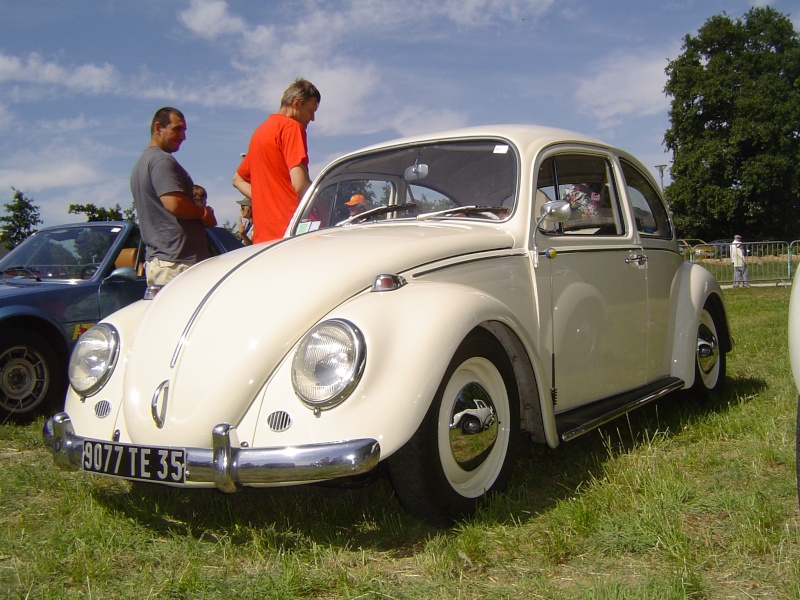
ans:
(93, 359)
(328, 363)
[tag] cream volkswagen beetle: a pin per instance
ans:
(531, 270)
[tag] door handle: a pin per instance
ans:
(636, 258)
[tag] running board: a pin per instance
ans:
(576, 422)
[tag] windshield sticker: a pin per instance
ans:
(501, 148)
(306, 226)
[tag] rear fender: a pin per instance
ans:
(697, 287)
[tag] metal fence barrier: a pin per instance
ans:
(773, 262)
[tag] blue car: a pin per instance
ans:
(54, 286)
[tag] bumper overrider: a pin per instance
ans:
(228, 466)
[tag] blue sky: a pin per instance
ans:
(80, 80)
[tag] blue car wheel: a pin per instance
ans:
(31, 376)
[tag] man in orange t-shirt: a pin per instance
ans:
(274, 172)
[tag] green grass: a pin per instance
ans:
(680, 500)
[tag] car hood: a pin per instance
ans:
(13, 291)
(217, 333)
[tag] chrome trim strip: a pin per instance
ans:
(158, 419)
(228, 467)
(467, 261)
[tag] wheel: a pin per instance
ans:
(442, 474)
(32, 378)
(470, 425)
(709, 358)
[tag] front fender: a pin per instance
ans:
(28, 317)
(22, 311)
(84, 411)
(411, 335)
(697, 287)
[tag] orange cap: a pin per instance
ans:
(356, 199)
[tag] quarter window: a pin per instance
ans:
(649, 211)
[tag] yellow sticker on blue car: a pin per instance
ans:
(79, 329)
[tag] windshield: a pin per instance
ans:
(419, 180)
(68, 253)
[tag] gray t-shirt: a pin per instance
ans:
(165, 236)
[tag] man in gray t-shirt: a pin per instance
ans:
(172, 225)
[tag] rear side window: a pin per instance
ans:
(649, 210)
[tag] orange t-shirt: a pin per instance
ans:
(278, 145)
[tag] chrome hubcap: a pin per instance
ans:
(707, 349)
(472, 433)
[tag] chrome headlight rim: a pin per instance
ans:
(345, 385)
(82, 351)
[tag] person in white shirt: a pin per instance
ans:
(739, 263)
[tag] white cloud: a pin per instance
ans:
(259, 41)
(5, 117)
(53, 183)
(34, 69)
(58, 164)
(624, 84)
(210, 19)
(47, 174)
(79, 123)
(482, 12)
(416, 14)
(328, 43)
(413, 120)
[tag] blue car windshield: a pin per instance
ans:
(68, 253)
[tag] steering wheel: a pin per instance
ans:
(89, 270)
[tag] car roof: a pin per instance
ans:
(523, 136)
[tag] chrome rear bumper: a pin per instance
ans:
(228, 466)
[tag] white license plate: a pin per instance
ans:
(166, 465)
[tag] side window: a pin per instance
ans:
(648, 208)
(132, 253)
(343, 199)
(587, 183)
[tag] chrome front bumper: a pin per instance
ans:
(228, 466)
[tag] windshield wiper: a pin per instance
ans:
(466, 210)
(379, 210)
(22, 270)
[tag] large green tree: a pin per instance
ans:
(19, 221)
(735, 128)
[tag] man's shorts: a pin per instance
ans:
(161, 272)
